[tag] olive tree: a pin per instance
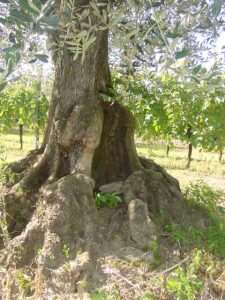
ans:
(88, 144)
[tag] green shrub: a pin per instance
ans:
(186, 235)
(108, 200)
(215, 238)
(101, 295)
(112, 294)
(202, 195)
(211, 238)
(185, 283)
(25, 283)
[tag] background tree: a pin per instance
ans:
(167, 108)
(213, 132)
(145, 95)
(22, 105)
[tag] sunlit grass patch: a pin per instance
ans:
(203, 164)
(10, 144)
(210, 237)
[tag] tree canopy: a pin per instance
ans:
(160, 34)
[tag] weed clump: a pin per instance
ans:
(211, 238)
(185, 283)
(110, 200)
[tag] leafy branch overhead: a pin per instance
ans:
(162, 31)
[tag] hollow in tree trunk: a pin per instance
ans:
(88, 147)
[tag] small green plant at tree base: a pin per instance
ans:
(112, 294)
(182, 286)
(148, 296)
(157, 255)
(24, 282)
(185, 283)
(100, 295)
(51, 255)
(22, 191)
(110, 200)
(154, 245)
(66, 251)
(210, 238)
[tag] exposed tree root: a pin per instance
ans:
(25, 163)
(20, 201)
(66, 234)
(62, 226)
(55, 226)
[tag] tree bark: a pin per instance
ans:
(167, 150)
(116, 157)
(21, 136)
(189, 157)
(220, 155)
(190, 146)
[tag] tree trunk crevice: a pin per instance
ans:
(116, 157)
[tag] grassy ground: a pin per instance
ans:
(204, 166)
(10, 145)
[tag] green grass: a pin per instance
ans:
(204, 165)
(10, 145)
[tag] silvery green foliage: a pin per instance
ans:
(154, 32)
